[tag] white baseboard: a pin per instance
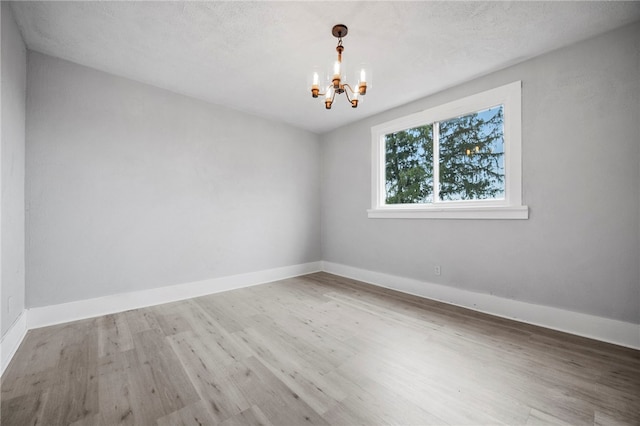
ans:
(89, 308)
(11, 340)
(594, 327)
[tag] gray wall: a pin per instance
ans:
(14, 71)
(580, 249)
(131, 187)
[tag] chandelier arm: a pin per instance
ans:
(346, 93)
(354, 101)
(350, 88)
(327, 90)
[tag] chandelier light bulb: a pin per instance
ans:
(328, 98)
(336, 76)
(364, 80)
(315, 89)
(354, 100)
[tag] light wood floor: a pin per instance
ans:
(315, 350)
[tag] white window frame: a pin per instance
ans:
(509, 207)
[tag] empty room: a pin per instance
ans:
(320, 213)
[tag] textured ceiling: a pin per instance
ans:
(256, 56)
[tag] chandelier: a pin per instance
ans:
(336, 79)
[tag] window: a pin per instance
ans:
(461, 160)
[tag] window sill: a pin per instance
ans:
(491, 212)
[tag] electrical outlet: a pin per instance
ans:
(437, 270)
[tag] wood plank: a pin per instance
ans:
(75, 394)
(25, 409)
(117, 402)
(200, 358)
(373, 404)
(160, 372)
(113, 334)
(251, 417)
(195, 414)
(141, 320)
(280, 404)
(303, 380)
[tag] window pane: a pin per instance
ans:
(409, 166)
(472, 156)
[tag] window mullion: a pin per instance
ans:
(436, 161)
